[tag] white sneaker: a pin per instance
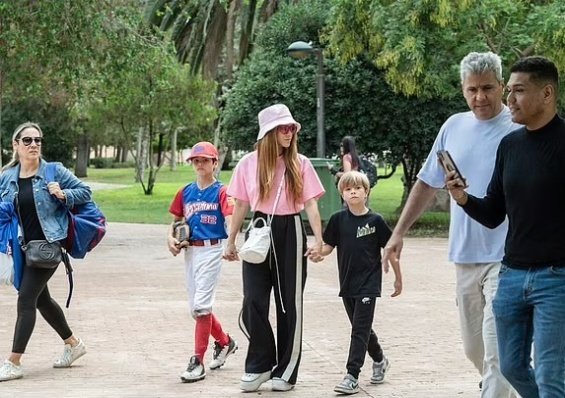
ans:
(70, 354)
(221, 353)
(252, 381)
(194, 372)
(9, 371)
(281, 385)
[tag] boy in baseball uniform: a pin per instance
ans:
(205, 208)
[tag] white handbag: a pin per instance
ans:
(255, 249)
(6, 270)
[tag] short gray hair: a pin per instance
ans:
(478, 63)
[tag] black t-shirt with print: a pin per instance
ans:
(359, 240)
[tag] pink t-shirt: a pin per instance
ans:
(347, 157)
(243, 186)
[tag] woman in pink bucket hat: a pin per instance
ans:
(275, 180)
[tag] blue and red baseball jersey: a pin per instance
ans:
(204, 210)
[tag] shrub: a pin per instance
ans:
(102, 163)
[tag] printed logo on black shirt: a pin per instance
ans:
(366, 230)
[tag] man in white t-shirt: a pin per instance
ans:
(472, 139)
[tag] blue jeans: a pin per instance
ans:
(530, 306)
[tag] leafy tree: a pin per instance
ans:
(54, 120)
(151, 101)
(110, 74)
(54, 54)
(359, 102)
(420, 43)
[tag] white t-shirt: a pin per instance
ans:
(472, 144)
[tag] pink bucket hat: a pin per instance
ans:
(273, 116)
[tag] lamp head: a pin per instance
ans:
(300, 49)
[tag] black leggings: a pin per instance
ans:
(34, 295)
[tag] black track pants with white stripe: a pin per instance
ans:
(287, 277)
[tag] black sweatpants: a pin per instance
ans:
(34, 295)
(287, 280)
(361, 312)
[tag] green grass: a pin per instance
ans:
(131, 205)
(385, 199)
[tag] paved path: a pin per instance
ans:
(97, 186)
(130, 307)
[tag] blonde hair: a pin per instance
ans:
(15, 157)
(267, 153)
(351, 179)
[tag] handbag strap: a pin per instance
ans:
(23, 242)
(50, 171)
(279, 191)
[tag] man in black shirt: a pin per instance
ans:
(528, 185)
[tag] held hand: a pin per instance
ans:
(392, 252)
(173, 245)
(456, 187)
(230, 252)
(315, 257)
(55, 190)
(314, 252)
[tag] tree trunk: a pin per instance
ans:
(246, 30)
(141, 159)
(150, 161)
(160, 150)
(124, 157)
(173, 160)
(81, 162)
(230, 29)
(441, 201)
(214, 36)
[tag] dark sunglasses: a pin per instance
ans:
(287, 128)
(28, 140)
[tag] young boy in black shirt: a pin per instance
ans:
(359, 234)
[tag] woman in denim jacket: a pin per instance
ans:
(42, 217)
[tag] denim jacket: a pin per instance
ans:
(52, 212)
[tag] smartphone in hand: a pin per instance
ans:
(449, 165)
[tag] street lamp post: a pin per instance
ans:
(301, 49)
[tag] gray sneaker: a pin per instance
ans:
(349, 385)
(379, 370)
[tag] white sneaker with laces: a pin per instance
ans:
(252, 381)
(221, 353)
(9, 371)
(70, 354)
(194, 372)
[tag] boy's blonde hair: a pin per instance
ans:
(351, 179)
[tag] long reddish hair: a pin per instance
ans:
(267, 153)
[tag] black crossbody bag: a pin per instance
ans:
(39, 253)
(44, 254)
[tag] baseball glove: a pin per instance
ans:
(181, 232)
